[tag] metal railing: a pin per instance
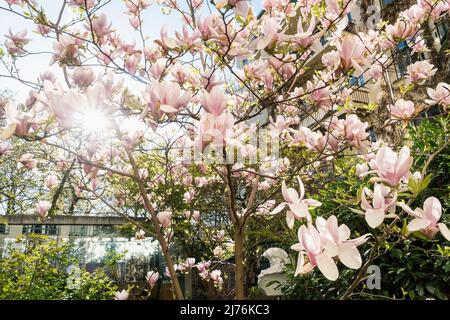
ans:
(360, 95)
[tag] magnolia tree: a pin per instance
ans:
(239, 108)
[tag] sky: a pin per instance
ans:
(36, 64)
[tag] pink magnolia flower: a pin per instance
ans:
(376, 213)
(361, 169)
(189, 40)
(414, 14)
(240, 7)
(355, 132)
(166, 43)
(81, 3)
(209, 80)
(121, 295)
(315, 141)
(165, 97)
(67, 50)
(337, 243)
(196, 215)
(100, 26)
(16, 2)
(42, 208)
(4, 148)
(419, 45)
(402, 29)
(305, 37)
(164, 218)
(159, 67)
(214, 130)
(180, 73)
(299, 207)
(281, 123)
(203, 266)
(132, 62)
(51, 181)
(270, 32)
(216, 277)
(439, 96)
(189, 196)
(83, 76)
(18, 122)
(16, 42)
(215, 101)
(426, 219)
(152, 278)
(319, 94)
(187, 265)
(334, 9)
(27, 160)
(331, 60)
(390, 166)
(351, 50)
(206, 26)
(311, 244)
(376, 71)
(43, 29)
(134, 6)
(47, 75)
(420, 71)
(403, 109)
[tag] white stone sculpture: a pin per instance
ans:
(277, 258)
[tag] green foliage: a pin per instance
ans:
(36, 270)
(427, 138)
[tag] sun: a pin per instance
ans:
(94, 121)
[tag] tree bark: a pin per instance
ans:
(239, 260)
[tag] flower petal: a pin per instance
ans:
(432, 209)
(302, 188)
(418, 224)
(278, 208)
(289, 194)
(167, 108)
(444, 231)
(300, 263)
(374, 217)
(8, 131)
(327, 266)
(312, 202)
(350, 257)
(290, 219)
(299, 209)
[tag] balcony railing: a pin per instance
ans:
(360, 95)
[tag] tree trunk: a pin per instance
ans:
(239, 260)
(173, 274)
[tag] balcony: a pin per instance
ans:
(360, 96)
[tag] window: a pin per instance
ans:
(404, 57)
(442, 30)
(51, 229)
(40, 229)
(37, 229)
(357, 81)
(78, 231)
(372, 135)
(4, 229)
(105, 229)
(387, 2)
